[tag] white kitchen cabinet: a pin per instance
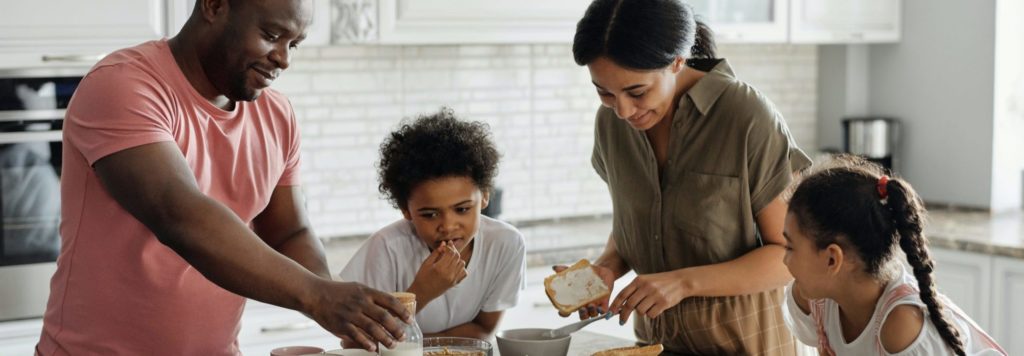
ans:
(845, 21)
(45, 33)
(745, 21)
(966, 278)
(1007, 310)
(266, 327)
(19, 337)
(481, 21)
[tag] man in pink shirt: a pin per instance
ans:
(180, 197)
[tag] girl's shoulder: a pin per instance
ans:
(901, 328)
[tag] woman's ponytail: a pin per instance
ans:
(704, 42)
(908, 215)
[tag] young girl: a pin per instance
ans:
(849, 296)
(464, 268)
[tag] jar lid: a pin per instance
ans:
(407, 299)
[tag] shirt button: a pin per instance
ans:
(655, 236)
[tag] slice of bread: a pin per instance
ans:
(575, 287)
(652, 350)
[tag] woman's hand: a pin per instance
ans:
(650, 295)
(594, 309)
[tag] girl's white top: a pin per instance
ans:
(822, 328)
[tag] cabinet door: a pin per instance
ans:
(266, 327)
(845, 21)
(745, 21)
(1007, 310)
(72, 33)
(965, 278)
(45, 23)
(480, 21)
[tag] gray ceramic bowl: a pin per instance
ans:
(531, 342)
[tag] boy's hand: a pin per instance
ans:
(442, 270)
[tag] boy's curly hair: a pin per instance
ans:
(435, 146)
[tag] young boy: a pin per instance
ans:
(464, 268)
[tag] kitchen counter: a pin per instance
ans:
(999, 234)
(569, 239)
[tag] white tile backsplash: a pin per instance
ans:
(539, 104)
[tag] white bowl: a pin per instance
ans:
(532, 342)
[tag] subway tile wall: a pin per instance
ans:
(538, 103)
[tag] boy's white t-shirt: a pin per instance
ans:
(496, 272)
(821, 327)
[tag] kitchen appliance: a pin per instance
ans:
(874, 138)
(32, 106)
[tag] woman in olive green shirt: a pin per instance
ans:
(696, 162)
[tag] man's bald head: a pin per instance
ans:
(243, 45)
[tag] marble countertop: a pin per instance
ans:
(1000, 234)
(569, 239)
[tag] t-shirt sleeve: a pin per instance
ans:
(373, 265)
(115, 108)
(597, 155)
(772, 157)
(293, 156)
(510, 279)
(802, 325)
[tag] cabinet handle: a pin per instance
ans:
(74, 58)
(299, 325)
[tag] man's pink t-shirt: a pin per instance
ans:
(117, 290)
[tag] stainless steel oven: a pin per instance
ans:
(32, 105)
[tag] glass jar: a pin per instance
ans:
(412, 345)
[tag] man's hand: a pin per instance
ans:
(441, 271)
(359, 315)
(594, 309)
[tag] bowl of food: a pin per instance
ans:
(523, 342)
(456, 346)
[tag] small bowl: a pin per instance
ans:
(296, 351)
(523, 342)
(461, 346)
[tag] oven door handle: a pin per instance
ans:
(31, 136)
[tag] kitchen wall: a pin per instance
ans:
(956, 83)
(939, 81)
(540, 106)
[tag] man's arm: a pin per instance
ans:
(154, 183)
(285, 227)
(482, 327)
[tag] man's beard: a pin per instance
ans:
(238, 91)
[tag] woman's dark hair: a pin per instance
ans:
(641, 34)
(435, 146)
(841, 203)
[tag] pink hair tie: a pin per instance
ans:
(883, 189)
